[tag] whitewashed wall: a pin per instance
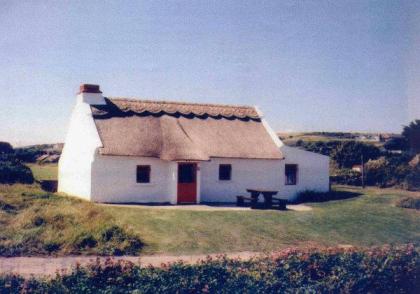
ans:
(313, 174)
(74, 168)
(246, 173)
(114, 180)
(313, 171)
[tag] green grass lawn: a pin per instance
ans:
(37, 223)
(44, 171)
(370, 219)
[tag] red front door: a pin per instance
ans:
(187, 183)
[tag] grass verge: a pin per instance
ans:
(34, 222)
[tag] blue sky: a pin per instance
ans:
(309, 65)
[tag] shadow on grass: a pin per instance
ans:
(409, 202)
(313, 196)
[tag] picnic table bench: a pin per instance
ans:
(269, 200)
(277, 203)
(243, 201)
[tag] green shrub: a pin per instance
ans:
(52, 246)
(6, 206)
(113, 233)
(396, 144)
(409, 202)
(112, 240)
(85, 240)
(346, 177)
(382, 168)
(28, 154)
(321, 147)
(411, 133)
(12, 171)
(345, 153)
(350, 153)
(38, 221)
(392, 170)
(378, 270)
(412, 180)
(117, 241)
(374, 171)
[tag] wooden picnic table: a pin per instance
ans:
(255, 193)
(268, 198)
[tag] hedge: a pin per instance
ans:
(376, 270)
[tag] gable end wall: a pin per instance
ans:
(82, 141)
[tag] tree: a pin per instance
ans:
(412, 180)
(5, 147)
(350, 153)
(325, 148)
(396, 144)
(376, 171)
(390, 171)
(412, 134)
(28, 154)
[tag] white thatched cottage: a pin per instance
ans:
(124, 150)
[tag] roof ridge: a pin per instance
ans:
(179, 102)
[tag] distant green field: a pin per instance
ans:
(44, 171)
(292, 138)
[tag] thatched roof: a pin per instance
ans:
(182, 131)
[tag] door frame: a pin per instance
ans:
(197, 182)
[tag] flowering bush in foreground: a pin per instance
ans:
(375, 270)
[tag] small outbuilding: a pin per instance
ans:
(122, 150)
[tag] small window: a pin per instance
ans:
(225, 172)
(291, 174)
(143, 174)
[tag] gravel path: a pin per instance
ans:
(48, 266)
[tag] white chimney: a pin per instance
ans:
(90, 94)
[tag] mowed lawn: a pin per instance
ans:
(47, 171)
(371, 218)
